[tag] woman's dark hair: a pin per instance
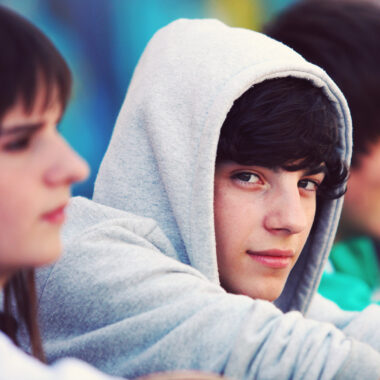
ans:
(21, 287)
(342, 37)
(29, 63)
(285, 123)
(28, 60)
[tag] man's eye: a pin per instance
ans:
(308, 184)
(247, 177)
(16, 145)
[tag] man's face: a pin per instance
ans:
(361, 210)
(262, 220)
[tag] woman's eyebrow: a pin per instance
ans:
(17, 129)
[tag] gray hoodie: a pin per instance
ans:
(137, 289)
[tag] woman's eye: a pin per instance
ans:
(19, 144)
(308, 184)
(247, 177)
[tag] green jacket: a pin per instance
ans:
(352, 279)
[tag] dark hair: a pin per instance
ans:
(27, 58)
(343, 38)
(22, 288)
(29, 63)
(285, 123)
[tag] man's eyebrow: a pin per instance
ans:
(19, 129)
(316, 170)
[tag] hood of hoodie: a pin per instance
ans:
(161, 158)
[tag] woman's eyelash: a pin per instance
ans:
(19, 137)
(18, 144)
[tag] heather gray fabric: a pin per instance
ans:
(133, 295)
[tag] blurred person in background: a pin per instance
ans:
(37, 168)
(342, 37)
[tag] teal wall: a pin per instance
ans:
(102, 41)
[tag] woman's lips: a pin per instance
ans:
(56, 216)
(273, 258)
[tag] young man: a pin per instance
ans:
(342, 37)
(145, 291)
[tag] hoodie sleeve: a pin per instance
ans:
(115, 301)
(363, 326)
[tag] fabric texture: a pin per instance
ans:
(353, 281)
(137, 289)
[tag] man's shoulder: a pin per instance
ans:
(98, 239)
(90, 221)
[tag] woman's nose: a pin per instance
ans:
(67, 167)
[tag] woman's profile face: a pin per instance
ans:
(37, 168)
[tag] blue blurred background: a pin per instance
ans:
(102, 41)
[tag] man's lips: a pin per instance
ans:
(56, 216)
(272, 258)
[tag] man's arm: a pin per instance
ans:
(115, 301)
(363, 326)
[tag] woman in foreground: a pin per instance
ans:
(37, 168)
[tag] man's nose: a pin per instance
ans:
(286, 212)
